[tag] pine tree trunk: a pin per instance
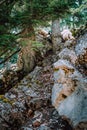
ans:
(56, 35)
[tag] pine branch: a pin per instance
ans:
(10, 56)
(2, 2)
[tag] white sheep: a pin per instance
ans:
(67, 35)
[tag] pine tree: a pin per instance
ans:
(77, 15)
(24, 15)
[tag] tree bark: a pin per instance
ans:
(56, 35)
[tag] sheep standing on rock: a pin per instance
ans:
(67, 35)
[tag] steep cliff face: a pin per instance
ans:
(69, 93)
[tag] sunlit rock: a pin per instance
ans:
(69, 93)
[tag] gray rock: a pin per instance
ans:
(10, 96)
(57, 88)
(19, 105)
(60, 64)
(43, 127)
(75, 106)
(81, 45)
(5, 109)
(26, 128)
(81, 51)
(68, 54)
(58, 74)
(69, 44)
(69, 93)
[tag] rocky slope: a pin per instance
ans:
(28, 105)
(60, 77)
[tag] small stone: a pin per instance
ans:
(26, 128)
(43, 127)
(38, 115)
(30, 112)
(36, 123)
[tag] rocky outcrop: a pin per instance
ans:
(69, 93)
(28, 106)
(69, 55)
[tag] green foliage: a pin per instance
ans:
(59, 7)
(6, 38)
(30, 12)
(14, 59)
(37, 45)
(26, 13)
(34, 44)
(77, 15)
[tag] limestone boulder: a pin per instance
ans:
(69, 93)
